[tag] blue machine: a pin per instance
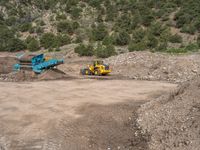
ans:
(36, 63)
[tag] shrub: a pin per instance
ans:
(15, 44)
(48, 40)
(39, 30)
(8, 40)
(125, 22)
(32, 30)
(156, 28)
(99, 32)
(83, 50)
(122, 38)
(176, 39)
(136, 46)
(60, 17)
(182, 19)
(78, 39)
(176, 50)
(188, 29)
(11, 21)
(95, 3)
(110, 16)
(33, 45)
(75, 12)
(99, 18)
(75, 25)
(42, 23)
(63, 40)
(108, 40)
(138, 35)
(25, 27)
(152, 41)
(105, 51)
(162, 47)
(147, 19)
(193, 47)
(65, 27)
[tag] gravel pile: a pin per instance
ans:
(6, 64)
(25, 75)
(18, 76)
(155, 66)
(173, 120)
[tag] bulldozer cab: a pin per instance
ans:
(98, 62)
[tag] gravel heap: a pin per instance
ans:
(155, 66)
(25, 75)
(173, 120)
(6, 64)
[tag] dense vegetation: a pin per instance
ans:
(104, 24)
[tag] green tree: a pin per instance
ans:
(138, 35)
(60, 17)
(104, 51)
(8, 40)
(15, 44)
(65, 27)
(33, 45)
(75, 25)
(122, 38)
(189, 29)
(108, 40)
(84, 50)
(25, 27)
(99, 32)
(48, 40)
(176, 39)
(63, 40)
(140, 46)
(152, 41)
(75, 12)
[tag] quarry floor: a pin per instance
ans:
(77, 114)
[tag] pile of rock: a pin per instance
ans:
(173, 120)
(18, 76)
(155, 66)
(25, 75)
(6, 64)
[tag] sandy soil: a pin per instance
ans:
(77, 114)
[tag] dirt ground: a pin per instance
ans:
(76, 114)
(60, 109)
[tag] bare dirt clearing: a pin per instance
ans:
(76, 114)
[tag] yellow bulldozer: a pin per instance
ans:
(98, 68)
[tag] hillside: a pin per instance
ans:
(109, 26)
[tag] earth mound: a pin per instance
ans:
(155, 66)
(173, 120)
(26, 75)
(6, 64)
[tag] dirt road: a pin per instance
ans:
(74, 115)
